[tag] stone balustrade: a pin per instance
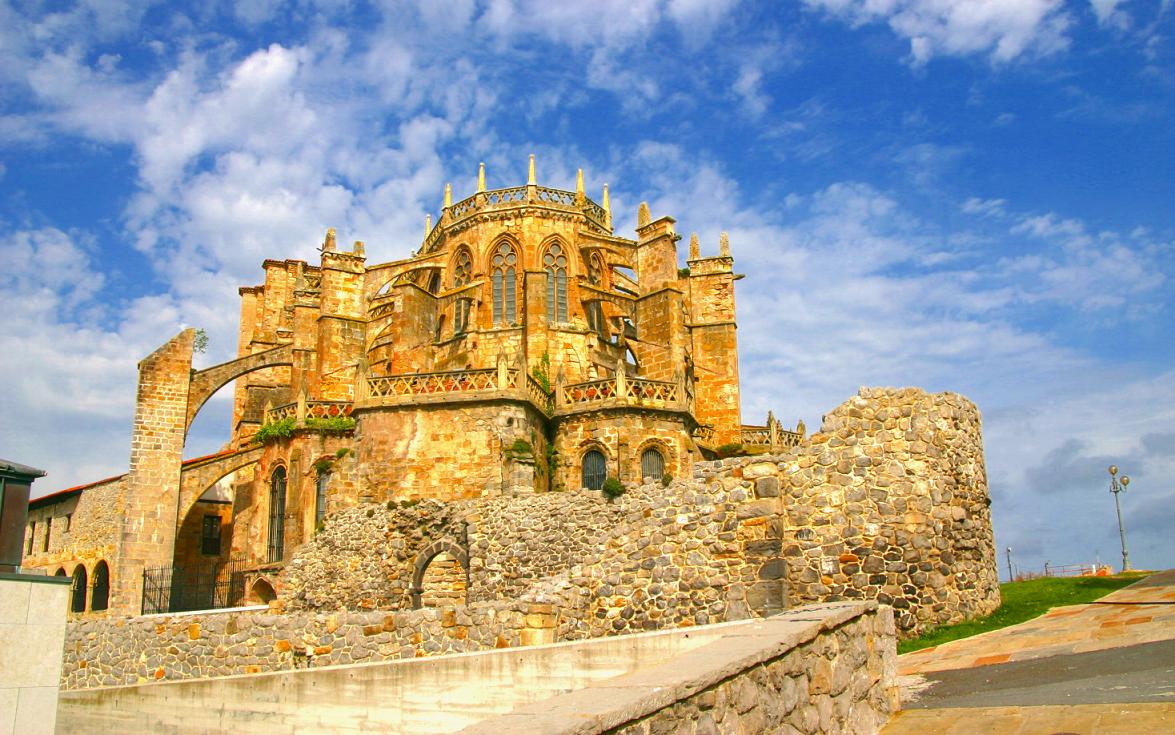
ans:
(312, 409)
(516, 196)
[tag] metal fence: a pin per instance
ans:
(208, 586)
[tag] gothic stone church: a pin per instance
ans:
(522, 348)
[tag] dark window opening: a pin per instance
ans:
(100, 594)
(28, 549)
(652, 464)
(210, 536)
(320, 500)
(77, 598)
(277, 514)
(48, 532)
(595, 469)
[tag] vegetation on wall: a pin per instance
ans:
(274, 430)
(613, 488)
(542, 372)
(200, 343)
(285, 428)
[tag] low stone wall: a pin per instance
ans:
(119, 651)
(822, 669)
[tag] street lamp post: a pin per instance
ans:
(1010, 577)
(1119, 486)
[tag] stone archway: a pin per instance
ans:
(441, 576)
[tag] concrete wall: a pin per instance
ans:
(32, 627)
(823, 669)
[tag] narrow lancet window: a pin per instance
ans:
(504, 279)
(555, 263)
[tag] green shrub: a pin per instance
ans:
(613, 488)
(666, 479)
(331, 425)
(520, 448)
(274, 430)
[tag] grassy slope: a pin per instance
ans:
(1024, 601)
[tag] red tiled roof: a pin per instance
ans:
(69, 492)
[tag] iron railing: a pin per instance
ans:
(209, 586)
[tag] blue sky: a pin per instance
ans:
(961, 195)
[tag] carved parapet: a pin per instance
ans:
(497, 383)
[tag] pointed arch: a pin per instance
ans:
(462, 272)
(277, 514)
(504, 263)
(555, 263)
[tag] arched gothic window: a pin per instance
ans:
(595, 313)
(555, 263)
(462, 270)
(504, 264)
(277, 514)
(652, 464)
(595, 469)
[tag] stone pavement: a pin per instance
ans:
(1096, 669)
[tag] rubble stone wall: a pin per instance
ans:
(117, 651)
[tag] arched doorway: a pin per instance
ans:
(77, 597)
(100, 593)
(261, 593)
(443, 582)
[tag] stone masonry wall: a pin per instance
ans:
(112, 652)
(838, 682)
(889, 502)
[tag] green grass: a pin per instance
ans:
(1025, 601)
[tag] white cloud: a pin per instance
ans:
(1003, 29)
(1109, 14)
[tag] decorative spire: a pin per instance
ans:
(448, 195)
(607, 208)
(695, 250)
(579, 182)
(530, 180)
(329, 244)
(427, 225)
(642, 215)
(724, 245)
(481, 177)
(360, 248)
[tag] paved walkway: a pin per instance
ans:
(1103, 668)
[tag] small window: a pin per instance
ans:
(652, 464)
(48, 533)
(68, 522)
(320, 499)
(28, 549)
(595, 469)
(210, 535)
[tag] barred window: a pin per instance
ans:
(320, 499)
(555, 263)
(462, 270)
(277, 514)
(595, 469)
(652, 464)
(504, 280)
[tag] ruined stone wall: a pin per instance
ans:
(888, 501)
(89, 536)
(110, 652)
